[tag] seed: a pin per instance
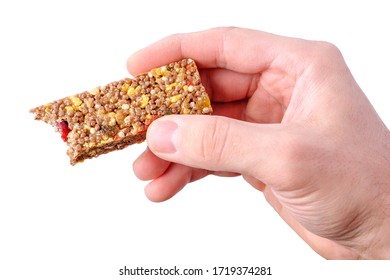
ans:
(112, 122)
(205, 110)
(125, 106)
(127, 120)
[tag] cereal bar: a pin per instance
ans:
(116, 115)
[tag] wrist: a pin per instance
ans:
(377, 238)
(379, 221)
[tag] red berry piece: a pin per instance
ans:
(64, 129)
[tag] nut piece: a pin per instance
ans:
(75, 100)
(94, 91)
(130, 91)
(176, 98)
(144, 101)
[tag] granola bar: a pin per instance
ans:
(116, 115)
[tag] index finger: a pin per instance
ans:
(240, 50)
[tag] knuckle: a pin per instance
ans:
(213, 141)
(324, 55)
(327, 48)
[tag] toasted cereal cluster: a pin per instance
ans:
(116, 115)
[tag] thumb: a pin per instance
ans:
(211, 142)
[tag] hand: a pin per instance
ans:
(290, 118)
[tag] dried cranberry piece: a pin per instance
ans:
(64, 129)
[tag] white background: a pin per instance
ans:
(90, 220)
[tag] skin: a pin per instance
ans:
(290, 118)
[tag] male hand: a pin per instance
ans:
(290, 118)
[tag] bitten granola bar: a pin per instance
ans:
(117, 115)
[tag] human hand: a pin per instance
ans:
(290, 118)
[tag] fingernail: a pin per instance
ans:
(161, 136)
